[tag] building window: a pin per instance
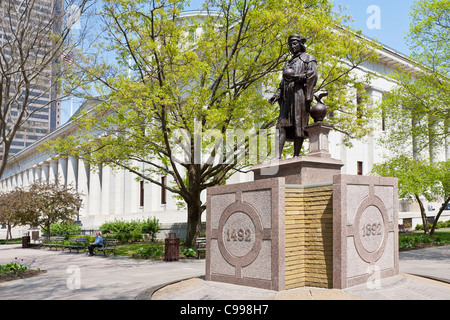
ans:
(141, 193)
(360, 168)
(163, 190)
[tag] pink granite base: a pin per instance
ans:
(300, 170)
(365, 230)
(245, 234)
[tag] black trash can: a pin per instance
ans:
(172, 248)
(25, 242)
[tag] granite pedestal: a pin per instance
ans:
(302, 223)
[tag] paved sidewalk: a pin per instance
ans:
(428, 264)
(99, 278)
(77, 276)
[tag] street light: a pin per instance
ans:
(78, 211)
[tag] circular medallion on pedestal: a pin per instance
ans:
(240, 231)
(370, 231)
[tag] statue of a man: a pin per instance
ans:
(295, 95)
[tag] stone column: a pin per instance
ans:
(62, 171)
(377, 98)
(105, 190)
(37, 173)
(24, 179)
(119, 201)
(45, 172)
(72, 171)
(20, 178)
(95, 191)
(30, 176)
(53, 172)
(83, 187)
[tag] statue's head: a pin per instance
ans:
(296, 43)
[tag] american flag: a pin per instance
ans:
(68, 57)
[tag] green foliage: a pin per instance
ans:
(439, 225)
(131, 230)
(415, 240)
(13, 267)
(429, 34)
(149, 252)
(170, 81)
(189, 252)
(41, 205)
(416, 112)
(66, 229)
(151, 226)
(415, 177)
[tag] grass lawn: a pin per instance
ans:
(133, 248)
(145, 250)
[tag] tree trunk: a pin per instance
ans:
(194, 228)
(423, 214)
(436, 219)
(47, 237)
(8, 232)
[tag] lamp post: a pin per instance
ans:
(78, 211)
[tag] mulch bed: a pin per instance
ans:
(21, 275)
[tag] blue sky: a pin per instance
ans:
(384, 20)
(394, 19)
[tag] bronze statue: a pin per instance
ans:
(295, 94)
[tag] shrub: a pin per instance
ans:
(127, 230)
(149, 252)
(136, 236)
(65, 229)
(151, 226)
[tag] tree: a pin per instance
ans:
(418, 179)
(417, 116)
(418, 107)
(429, 34)
(182, 86)
(416, 112)
(14, 209)
(52, 203)
(34, 35)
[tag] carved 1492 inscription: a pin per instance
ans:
(239, 235)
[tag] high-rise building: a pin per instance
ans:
(29, 68)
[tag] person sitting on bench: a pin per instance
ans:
(97, 243)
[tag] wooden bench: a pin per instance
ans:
(77, 244)
(200, 246)
(55, 242)
(109, 245)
